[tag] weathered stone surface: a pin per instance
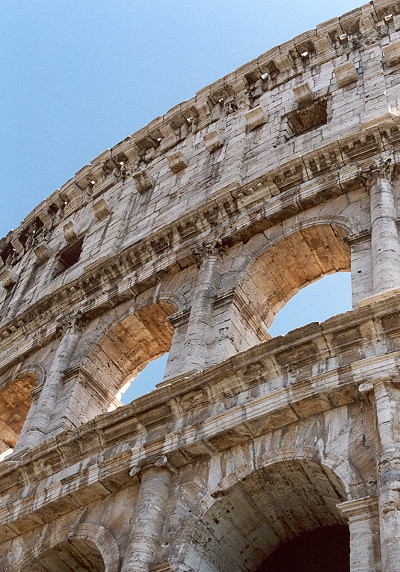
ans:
(188, 237)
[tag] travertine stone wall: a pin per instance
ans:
(189, 236)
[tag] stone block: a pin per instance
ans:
(392, 54)
(8, 278)
(45, 218)
(69, 231)
(239, 85)
(177, 162)
(101, 209)
(42, 253)
(346, 74)
(17, 246)
(70, 191)
(213, 140)
(255, 118)
(143, 181)
(303, 94)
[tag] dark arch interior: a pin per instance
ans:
(70, 556)
(325, 549)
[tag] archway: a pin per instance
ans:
(265, 510)
(75, 555)
(286, 267)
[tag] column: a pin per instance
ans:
(386, 401)
(144, 542)
(39, 421)
(198, 335)
(385, 244)
(363, 519)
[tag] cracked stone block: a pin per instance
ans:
(346, 74)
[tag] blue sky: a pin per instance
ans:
(78, 76)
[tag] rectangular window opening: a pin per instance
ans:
(68, 257)
(304, 119)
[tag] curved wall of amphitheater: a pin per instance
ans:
(188, 237)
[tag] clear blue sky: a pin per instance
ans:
(80, 75)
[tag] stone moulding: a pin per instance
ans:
(383, 134)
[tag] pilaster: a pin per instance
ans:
(385, 244)
(199, 331)
(155, 477)
(45, 411)
(363, 520)
(385, 397)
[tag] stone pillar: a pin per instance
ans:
(199, 331)
(363, 519)
(144, 542)
(386, 401)
(385, 244)
(39, 422)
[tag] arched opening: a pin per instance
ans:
(289, 265)
(126, 349)
(266, 510)
(15, 402)
(316, 302)
(74, 555)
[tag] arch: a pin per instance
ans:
(99, 536)
(278, 270)
(15, 403)
(269, 506)
(273, 236)
(129, 343)
(340, 467)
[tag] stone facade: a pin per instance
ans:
(188, 237)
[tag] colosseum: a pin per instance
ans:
(254, 453)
